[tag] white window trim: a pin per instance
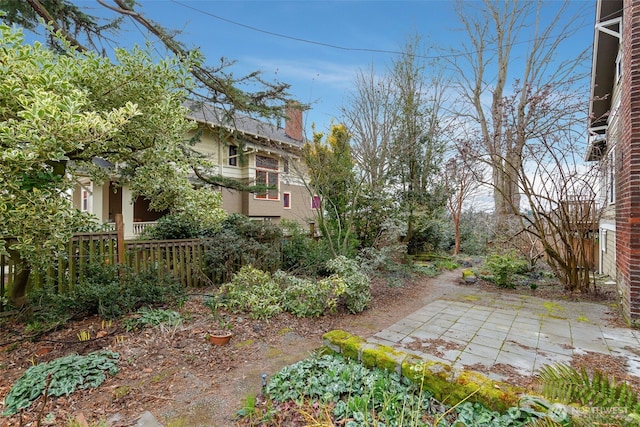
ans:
(232, 158)
(284, 194)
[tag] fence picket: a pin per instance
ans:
(184, 259)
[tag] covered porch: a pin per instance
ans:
(110, 198)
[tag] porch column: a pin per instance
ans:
(98, 203)
(127, 212)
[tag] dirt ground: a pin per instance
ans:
(183, 380)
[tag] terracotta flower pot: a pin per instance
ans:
(219, 337)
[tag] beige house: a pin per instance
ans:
(242, 149)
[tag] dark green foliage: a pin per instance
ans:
(568, 385)
(504, 267)
(241, 242)
(151, 287)
(107, 290)
(432, 233)
(174, 226)
(110, 295)
(48, 309)
(67, 374)
(302, 254)
(475, 232)
(374, 212)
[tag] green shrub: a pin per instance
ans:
(109, 291)
(173, 226)
(262, 295)
(240, 242)
(504, 267)
(476, 230)
(446, 264)
(301, 254)
(47, 309)
(357, 291)
(67, 374)
(150, 287)
(152, 317)
(307, 298)
(252, 291)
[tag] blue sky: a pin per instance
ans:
(319, 75)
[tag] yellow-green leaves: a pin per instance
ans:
(58, 112)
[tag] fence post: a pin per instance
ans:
(120, 238)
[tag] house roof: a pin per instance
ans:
(603, 71)
(245, 125)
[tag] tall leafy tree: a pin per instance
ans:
(418, 143)
(63, 116)
(332, 177)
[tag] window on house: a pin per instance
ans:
(233, 155)
(85, 201)
(315, 202)
(287, 200)
(267, 174)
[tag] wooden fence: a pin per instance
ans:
(181, 258)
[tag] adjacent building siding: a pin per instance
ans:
(628, 167)
(608, 249)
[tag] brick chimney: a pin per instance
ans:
(293, 123)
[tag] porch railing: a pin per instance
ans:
(139, 227)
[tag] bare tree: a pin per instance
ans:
(486, 64)
(562, 216)
(558, 190)
(370, 116)
(462, 177)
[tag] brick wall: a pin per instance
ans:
(628, 166)
(293, 124)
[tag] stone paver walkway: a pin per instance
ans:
(483, 332)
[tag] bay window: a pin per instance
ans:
(267, 174)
